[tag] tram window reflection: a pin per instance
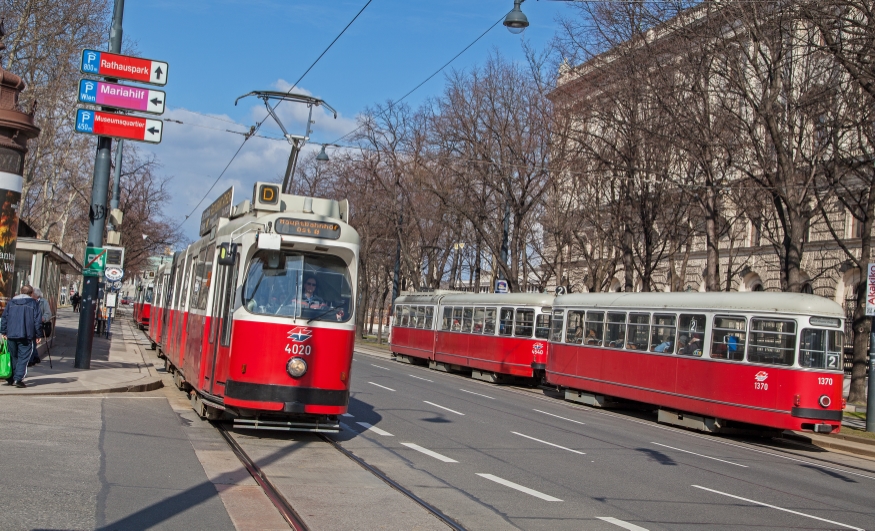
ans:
(489, 323)
(728, 338)
(405, 315)
(420, 316)
(479, 315)
(448, 318)
(299, 285)
(821, 349)
(457, 319)
(664, 330)
(556, 326)
(691, 334)
(505, 326)
(615, 331)
(574, 333)
(639, 331)
(772, 341)
(542, 326)
(467, 317)
(525, 321)
(595, 328)
(429, 317)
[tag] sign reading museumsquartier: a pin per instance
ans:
(307, 228)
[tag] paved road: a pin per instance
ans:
(496, 458)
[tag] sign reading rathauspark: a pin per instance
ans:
(123, 67)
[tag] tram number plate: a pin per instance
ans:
(299, 350)
(824, 381)
(832, 362)
(762, 386)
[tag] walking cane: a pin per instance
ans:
(48, 349)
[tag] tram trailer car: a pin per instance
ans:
(156, 312)
(711, 362)
(258, 324)
(143, 305)
(495, 336)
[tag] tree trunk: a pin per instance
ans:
(862, 329)
(712, 241)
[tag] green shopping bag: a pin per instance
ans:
(5, 361)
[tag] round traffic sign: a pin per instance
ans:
(114, 274)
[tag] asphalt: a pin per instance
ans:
(609, 470)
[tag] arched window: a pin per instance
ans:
(808, 288)
(757, 287)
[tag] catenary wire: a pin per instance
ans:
(257, 126)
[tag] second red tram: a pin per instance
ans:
(492, 335)
(256, 318)
(143, 304)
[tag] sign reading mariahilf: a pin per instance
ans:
(870, 291)
(121, 96)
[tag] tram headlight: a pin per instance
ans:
(296, 367)
(824, 401)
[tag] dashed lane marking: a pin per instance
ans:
(478, 394)
(420, 378)
(379, 367)
(374, 429)
(620, 523)
(778, 508)
(428, 452)
(517, 486)
(442, 407)
(700, 455)
(347, 415)
(548, 443)
(558, 417)
(383, 386)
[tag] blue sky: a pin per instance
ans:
(221, 49)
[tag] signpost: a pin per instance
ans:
(117, 66)
(118, 126)
(95, 262)
(121, 96)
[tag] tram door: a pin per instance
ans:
(167, 295)
(222, 290)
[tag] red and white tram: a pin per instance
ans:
(257, 316)
(156, 313)
(143, 304)
(491, 335)
(709, 361)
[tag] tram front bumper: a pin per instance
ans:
(292, 399)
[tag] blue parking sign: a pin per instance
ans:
(84, 121)
(88, 91)
(90, 62)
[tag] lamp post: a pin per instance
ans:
(516, 21)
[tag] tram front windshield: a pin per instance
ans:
(299, 285)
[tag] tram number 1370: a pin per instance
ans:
(761, 386)
(824, 381)
(299, 350)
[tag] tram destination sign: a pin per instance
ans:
(221, 208)
(121, 96)
(123, 67)
(119, 126)
(307, 228)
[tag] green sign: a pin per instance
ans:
(95, 261)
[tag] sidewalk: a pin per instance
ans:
(116, 364)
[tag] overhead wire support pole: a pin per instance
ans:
(97, 215)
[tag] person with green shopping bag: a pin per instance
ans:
(21, 323)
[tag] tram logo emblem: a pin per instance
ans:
(300, 334)
(537, 348)
(761, 376)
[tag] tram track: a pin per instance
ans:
(289, 514)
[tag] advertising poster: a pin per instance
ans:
(870, 290)
(10, 195)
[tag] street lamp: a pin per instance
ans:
(322, 156)
(516, 21)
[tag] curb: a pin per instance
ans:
(135, 388)
(835, 445)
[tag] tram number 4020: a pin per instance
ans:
(763, 386)
(299, 350)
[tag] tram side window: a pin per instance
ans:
(207, 257)
(420, 316)
(639, 331)
(489, 323)
(448, 318)
(615, 331)
(176, 299)
(429, 317)
(405, 315)
(821, 349)
(772, 341)
(556, 325)
(574, 333)
(525, 320)
(595, 328)
(457, 319)
(691, 334)
(664, 330)
(479, 316)
(505, 326)
(728, 337)
(542, 326)
(467, 316)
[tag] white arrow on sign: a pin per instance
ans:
(153, 131)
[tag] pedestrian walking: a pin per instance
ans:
(45, 330)
(76, 300)
(22, 321)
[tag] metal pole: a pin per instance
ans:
(117, 176)
(870, 398)
(97, 215)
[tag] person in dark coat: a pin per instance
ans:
(20, 326)
(76, 299)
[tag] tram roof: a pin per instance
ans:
(795, 303)
(452, 297)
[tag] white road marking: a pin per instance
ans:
(548, 443)
(700, 455)
(420, 378)
(779, 508)
(374, 429)
(428, 452)
(347, 415)
(620, 523)
(377, 366)
(383, 386)
(558, 417)
(478, 394)
(519, 487)
(442, 407)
